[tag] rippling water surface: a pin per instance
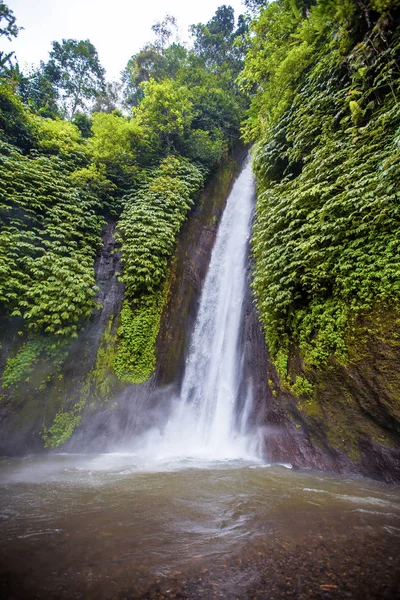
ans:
(102, 525)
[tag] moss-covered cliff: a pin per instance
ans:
(344, 417)
(67, 179)
(50, 393)
(326, 243)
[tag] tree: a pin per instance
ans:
(114, 145)
(109, 99)
(166, 113)
(78, 73)
(255, 5)
(15, 124)
(84, 124)
(151, 63)
(17, 79)
(214, 42)
(8, 28)
(145, 65)
(156, 60)
(40, 90)
(164, 30)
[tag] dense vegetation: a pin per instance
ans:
(325, 117)
(50, 233)
(139, 152)
(50, 226)
(148, 228)
(317, 94)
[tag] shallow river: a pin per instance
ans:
(111, 526)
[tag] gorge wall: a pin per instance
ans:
(349, 424)
(325, 121)
(77, 393)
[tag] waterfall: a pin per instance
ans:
(205, 422)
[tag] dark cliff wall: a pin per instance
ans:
(189, 269)
(351, 421)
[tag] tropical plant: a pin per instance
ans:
(76, 72)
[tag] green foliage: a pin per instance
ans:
(151, 221)
(9, 29)
(326, 234)
(152, 62)
(165, 113)
(187, 101)
(49, 237)
(61, 138)
(281, 359)
(163, 30)
(147, 229)
(84, 124)
(76, 73)
(254, 5)
(381, 6)
(114, 146)
(357, 114)
(200, 146)
(36, 349)
(302, 387)
(135, 360)
(100, 380)
(214, 42)
(285, 39)
(276, 58)
(108, 99)
(94, 180)
(63, 427)
(39, 91)
(8, 25)
(15, 125)
(215, 109)
(20, 367)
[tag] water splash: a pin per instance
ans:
(206, 423)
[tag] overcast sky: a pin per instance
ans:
(117, 28)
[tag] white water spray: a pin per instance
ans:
(205, 423)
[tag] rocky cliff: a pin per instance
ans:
(71, 398)
(350, 422)
(347, 421)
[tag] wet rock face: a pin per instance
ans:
(107, 267)
(352, 423)
(188, 272)
(276, 410)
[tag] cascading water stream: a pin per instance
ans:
(205, 423)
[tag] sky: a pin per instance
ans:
(117, 28)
